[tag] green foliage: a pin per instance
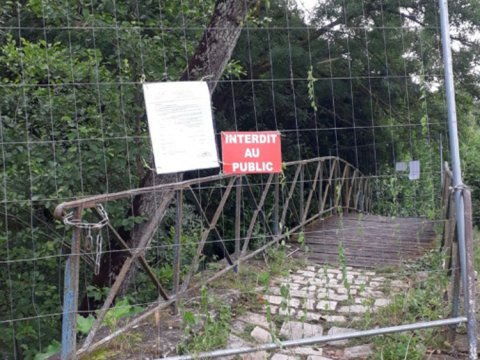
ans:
(470, 150)
(311, 89)
(71, 104)
(51, 349)
(215, 328)
(402, 346)
(121, 310)
(423, 301)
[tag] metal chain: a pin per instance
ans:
(70, 221)
(98, 252)
(88, 240)
(460, 187)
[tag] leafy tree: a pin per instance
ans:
(361, 80)
(71, 102)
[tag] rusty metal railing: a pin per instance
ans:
(278, 204)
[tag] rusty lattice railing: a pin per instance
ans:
(266, 209)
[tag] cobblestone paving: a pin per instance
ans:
(311, 302)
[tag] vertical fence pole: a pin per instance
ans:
(320, 188)
(276, 202)
(70, 295)
(470, 274)
(442, 173)
(302, 189)
(177, 248)
(457, 175)
(238, 218)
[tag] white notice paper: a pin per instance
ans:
(181, 126)
(400, 166)
(414, 170)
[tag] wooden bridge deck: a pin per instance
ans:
(368, 241)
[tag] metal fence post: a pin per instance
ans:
(456, 169)
(238, 219)
(276, 201)
(302, 189)
(70, 295)
(177, 248)
(320, 188)
(469, 293)
(442, 172)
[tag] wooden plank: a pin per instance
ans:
(368, 240)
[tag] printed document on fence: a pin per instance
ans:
(414, 170)
(181, 126)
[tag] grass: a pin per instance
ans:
(216, 317)
(215, 312)
(420, 302)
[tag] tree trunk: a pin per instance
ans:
(207, 63)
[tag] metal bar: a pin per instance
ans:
(252, 196)
(357, 192)
(456, 167)
(455, 290)
(108, 302)
(442, 173)
(320, 187)
(350, 188)
(206, 232)
(91, 201)
(289, 196)
(469, 293)
(255, 214)
(334, 187)
(70, 295)
(144, 316)
(449, 224)
(144, 239)
(341, 181)
(200, 210)
(177, 248)
(302, 190)
(312, 190)
(325, 195)
(276, 205)
(238, 216)
(366, 195)
(143, 262)
(258, 251)
(328, 188)
(319, 339)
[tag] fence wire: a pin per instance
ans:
(357, 80)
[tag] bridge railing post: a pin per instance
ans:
(320, 187)
(302, 190)
(238, 216)
(469, 291)
(177, 248)
(276, 205)
(70, 295)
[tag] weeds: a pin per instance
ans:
(418, 303)
(216, 316)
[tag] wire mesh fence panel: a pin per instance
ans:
(346, 238)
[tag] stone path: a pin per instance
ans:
(310, 302)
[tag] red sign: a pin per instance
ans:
(251, 152)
